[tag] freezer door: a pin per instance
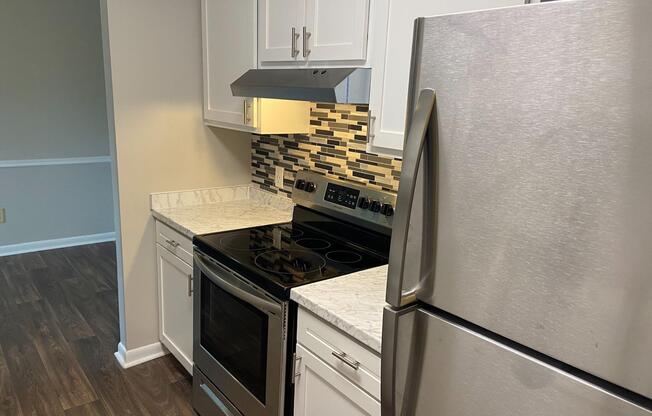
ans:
(441, 368)
(543, 168)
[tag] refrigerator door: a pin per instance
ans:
(543, 171)
(457, 372)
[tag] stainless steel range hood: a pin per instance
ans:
(330, 85)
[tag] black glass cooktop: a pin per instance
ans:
(280, 257)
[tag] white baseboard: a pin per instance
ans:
(56, 243)
(130, 358)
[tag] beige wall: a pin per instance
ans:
(161, 143)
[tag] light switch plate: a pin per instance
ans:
(278, 177)
(2, 215)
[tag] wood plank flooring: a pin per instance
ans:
(58, 332)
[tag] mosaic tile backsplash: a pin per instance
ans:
(336, 147)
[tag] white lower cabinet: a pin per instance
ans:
(320, 390)
(175, 304)
(334, 374)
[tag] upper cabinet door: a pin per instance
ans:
(229, 50)
(335, 30)
(279, 30)
(391, 61)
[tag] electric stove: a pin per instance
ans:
(311, 248)
(244, 322)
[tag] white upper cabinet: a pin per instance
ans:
(279, 29)
(335, 30)
(229, 49)
(312, 30)
(391, 61)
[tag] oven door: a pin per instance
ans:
(239, 339)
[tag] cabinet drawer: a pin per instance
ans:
(354, 361)
(321, 390)
(174, 241)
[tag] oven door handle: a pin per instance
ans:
(231, 284)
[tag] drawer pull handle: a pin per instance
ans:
(306, 35)
(346, 359)
(172, 243)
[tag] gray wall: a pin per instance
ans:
(53, 105)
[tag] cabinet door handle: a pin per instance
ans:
(173, 243)
(295, 36)
(190, 285)
(245, 112)
(371, 123)
(296, 362)
(306, 35)
(346, 359)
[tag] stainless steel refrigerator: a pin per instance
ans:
(520, 275)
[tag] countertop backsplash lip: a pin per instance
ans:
(200, 196)
(214, 195)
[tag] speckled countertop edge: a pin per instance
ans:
(210, 210)
(353, 303)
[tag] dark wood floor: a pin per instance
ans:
(58, 333)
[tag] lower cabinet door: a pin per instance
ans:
(175, 305)
(320, 390)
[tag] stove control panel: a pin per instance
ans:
(342, 195)
(347, 200)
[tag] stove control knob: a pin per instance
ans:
(363, 203)
(300, 184)
(375, 206)
(310, 187)
(387, 210)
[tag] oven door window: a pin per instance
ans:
(235, 334)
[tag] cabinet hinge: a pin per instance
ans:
(296, 360)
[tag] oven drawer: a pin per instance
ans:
(207, 400)
(174, 241)
(343, 353)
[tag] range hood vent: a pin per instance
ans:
(327, 85)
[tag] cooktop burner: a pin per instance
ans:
(343, 256)
(313, 243)
(279, 257)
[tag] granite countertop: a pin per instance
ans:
(219, 209)
(353, 303)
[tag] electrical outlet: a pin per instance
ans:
(278, 178)
(2, 215)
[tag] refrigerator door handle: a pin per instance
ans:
(414, 145)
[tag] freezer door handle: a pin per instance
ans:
(418, 133)
(388, 364)
(392, 364)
